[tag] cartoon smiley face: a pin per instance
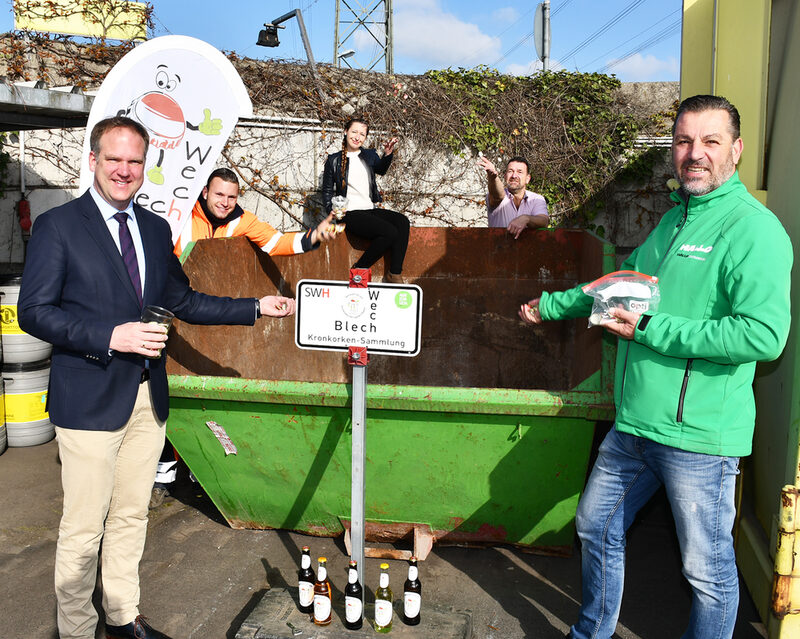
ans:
(160, 113)
(164, 81)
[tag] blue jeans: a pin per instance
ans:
(700, 489)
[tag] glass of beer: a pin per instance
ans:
(157, 315)
(339, 204)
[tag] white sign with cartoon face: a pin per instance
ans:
(189, 97)
(386, 318)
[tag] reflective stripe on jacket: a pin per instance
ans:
(265, 236)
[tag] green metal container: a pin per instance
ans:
(483, 437)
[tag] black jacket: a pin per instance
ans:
(332, 176)
(76, 289)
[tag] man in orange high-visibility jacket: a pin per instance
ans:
(216, 214)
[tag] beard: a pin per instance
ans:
(705, 182)
(515, 187)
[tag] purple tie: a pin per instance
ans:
(129, 253)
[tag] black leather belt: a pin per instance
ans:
(145, 375)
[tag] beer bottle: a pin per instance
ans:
(412, 595)
(322, 595)
(353, 605)
(306, 579)
(383, 602)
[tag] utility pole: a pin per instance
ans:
(374, 17)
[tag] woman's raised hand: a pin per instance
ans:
(389, 146)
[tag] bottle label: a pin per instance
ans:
(322, 607)
(383, 612)
(306, 593)
(413, 572)
(412, 602)
(352, 609)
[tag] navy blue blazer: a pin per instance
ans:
(75, 290)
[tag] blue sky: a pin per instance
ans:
(587, 35)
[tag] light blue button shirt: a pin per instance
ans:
(108, 212)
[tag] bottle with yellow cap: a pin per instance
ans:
(322, 594)
(383, 602)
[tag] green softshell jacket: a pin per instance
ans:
(723, 263)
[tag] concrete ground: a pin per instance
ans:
(200, 578)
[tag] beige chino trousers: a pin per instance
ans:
(107, 479)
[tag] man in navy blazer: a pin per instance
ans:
(85, 282)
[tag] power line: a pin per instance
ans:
(559, 8)
(641, 33)
(658, 37)
(626, 11)
(157, 19)
(522, 41)
(504, 31)
(527, 36)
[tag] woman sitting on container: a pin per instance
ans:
(351, 173)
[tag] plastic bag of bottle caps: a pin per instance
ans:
(632, 291)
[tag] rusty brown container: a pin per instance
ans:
(482, 437)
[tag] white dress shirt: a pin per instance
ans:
(108, 212)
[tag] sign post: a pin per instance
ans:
(358, 457)
(362, 319)
(358, 358)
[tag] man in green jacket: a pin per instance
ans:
(683, 386)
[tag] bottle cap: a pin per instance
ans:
(353, 563)
(322, 560)
(384, 566)
(306, 549)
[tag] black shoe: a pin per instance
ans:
(136, 629)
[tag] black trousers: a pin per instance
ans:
(388, 230)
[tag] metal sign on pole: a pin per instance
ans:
(360, 318)
(385, 318)
(541, 33)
